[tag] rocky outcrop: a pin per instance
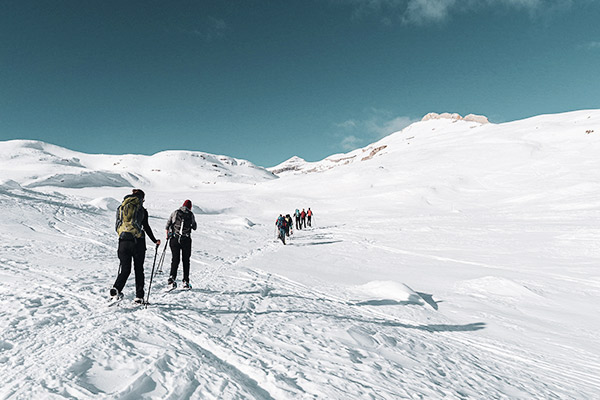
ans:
(293, 164)
(454, 116)
(373, 152)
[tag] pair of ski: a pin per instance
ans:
(181, 289)
(117, 300)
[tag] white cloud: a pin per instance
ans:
(385, 127)
(350, 142)
(210, 29)
(379, 123)
(350, 124)
(592, 46)
(421, 12)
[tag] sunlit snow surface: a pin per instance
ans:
(458, 261)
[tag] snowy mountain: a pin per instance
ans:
(297, 165)
(454, 259)
(37, 164)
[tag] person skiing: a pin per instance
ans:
(303, 219)
(288, 225)
(309, 217)
(132, 227)
(297, 215)
(179, 230)
(281, 226)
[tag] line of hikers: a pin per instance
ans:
(284, 223)
(132, 227)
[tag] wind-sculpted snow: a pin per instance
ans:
(83, 180)
(105, 203)
(457, 262)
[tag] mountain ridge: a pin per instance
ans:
(69, 168)
(432, 123)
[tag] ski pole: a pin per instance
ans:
(150, 284)
(161, 261)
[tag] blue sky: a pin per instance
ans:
(266, 80)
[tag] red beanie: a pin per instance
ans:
(188, 204)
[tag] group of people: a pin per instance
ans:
(303, 217)
(284, 223)
(132, 227)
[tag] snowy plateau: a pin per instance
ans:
(454, 259)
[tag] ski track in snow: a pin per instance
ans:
(240, 333)
(462, 266)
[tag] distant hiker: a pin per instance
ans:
(303, 219)
(132, 227)
(297, 216)
(288, 225)
(281, 224)
(309, 216)
(179, 232)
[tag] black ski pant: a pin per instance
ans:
(131, 250)
(298, 225)
(181, 250)
(303, 222)
(282, 234)
(309, 218)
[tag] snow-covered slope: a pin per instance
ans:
(459, 261)
(451, 163)
(35, 164)
(297, 165)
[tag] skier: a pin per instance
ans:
(297, 215)
(288, 225)
(309, 217)
(132, 226)
(179, 229)
(303, 219)
(281, 225)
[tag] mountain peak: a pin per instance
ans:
(293, 164)
(455, 116)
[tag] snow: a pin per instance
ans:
(451, 259)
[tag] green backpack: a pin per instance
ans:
(130, 218)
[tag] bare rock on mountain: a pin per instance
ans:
(482, 119)
(456, 117)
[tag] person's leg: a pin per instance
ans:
(138, 267)
(186, 252)
(125, 253)
(282, 235)
(175, 257)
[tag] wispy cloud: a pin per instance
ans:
(385, 127)
(421, 12)
(379, 123)
(591, 46)
(350, 142)
(209, 29)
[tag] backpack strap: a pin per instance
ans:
(182, 220)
